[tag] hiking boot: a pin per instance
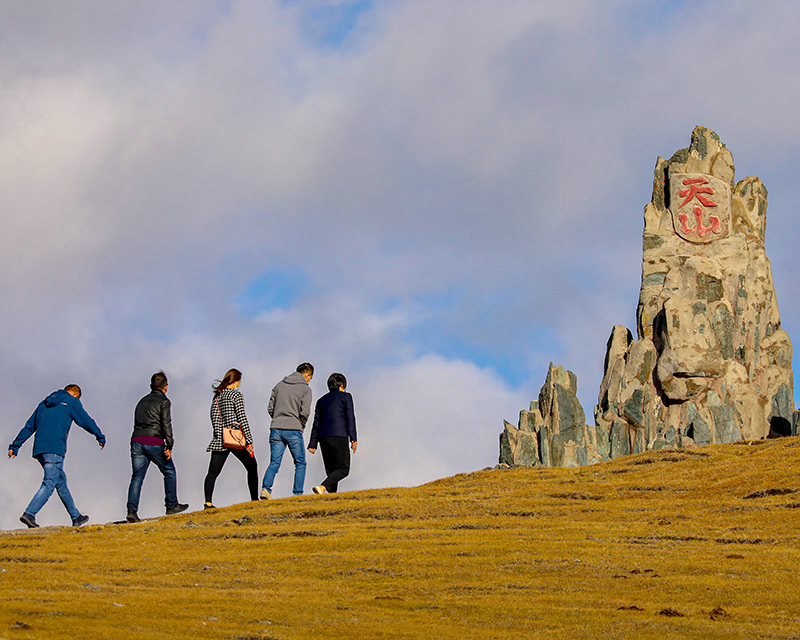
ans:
(81, 519)
(133, 517)
(319, 489)
(29, 520)
(265, 495)
(177, 508)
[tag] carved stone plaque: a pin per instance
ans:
(700, 206)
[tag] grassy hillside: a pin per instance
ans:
(675, 544)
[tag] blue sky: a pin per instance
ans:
(330, 25)
(436, 198)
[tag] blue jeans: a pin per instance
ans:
(141, 457)
(279, 439)
(54, 478)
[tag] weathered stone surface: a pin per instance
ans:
(620, 439)
(554, 432)
(713, 319)
(710, 362)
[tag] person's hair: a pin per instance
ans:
(73, 387)
(233, 375)
(336, 380)
(158, 381)
(306, 367)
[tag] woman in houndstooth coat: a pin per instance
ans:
(227, 408)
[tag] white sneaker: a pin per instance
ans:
(265, 495)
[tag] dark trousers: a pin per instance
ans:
(218, 459)
(336, 456)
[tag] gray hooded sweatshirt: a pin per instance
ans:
(290, 403)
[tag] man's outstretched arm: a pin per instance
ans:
(26, 432)
(86, 422)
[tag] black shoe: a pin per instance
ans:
(28, 519)
(132, 517)
(208, 505)
(82, 519)
(178, 508)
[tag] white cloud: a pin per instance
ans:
(54, 135)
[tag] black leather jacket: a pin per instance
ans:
(152, 417)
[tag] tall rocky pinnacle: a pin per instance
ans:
(711, 363)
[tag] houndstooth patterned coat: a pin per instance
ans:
(231, 402)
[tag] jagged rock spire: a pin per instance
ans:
(710, 362)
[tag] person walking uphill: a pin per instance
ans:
(334, 425)
(289, 408)
(152, 441)
(51, 423)
(227, 414)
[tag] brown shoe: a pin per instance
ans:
(319, 489)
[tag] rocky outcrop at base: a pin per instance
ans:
(554, 433)
(710, 362)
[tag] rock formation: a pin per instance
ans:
(554, 432)
(710, 362)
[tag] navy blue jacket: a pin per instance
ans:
(51, 423)
(333, 416)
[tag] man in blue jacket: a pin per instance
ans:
(51, 423)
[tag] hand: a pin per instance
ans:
(102, 445)
(167, 453)
(310, 450)
(11, 453)
(354, 446)
(249, 448)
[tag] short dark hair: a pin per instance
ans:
(73, 387)
(158, 381)
(306, 367)
(336, 380)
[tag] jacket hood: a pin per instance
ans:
(57, 397)
(295, 378)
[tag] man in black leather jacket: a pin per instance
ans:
(152, 441)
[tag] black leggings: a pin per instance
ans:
(336, 456)
(218, 459)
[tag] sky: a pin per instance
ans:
(436, 198)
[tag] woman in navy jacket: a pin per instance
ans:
(334, 429)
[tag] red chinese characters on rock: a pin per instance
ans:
(697, 188)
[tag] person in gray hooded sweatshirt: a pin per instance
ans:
(289, 408)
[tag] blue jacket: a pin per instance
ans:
(333, 416)
(51, 423)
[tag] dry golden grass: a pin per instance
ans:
(660, 545)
